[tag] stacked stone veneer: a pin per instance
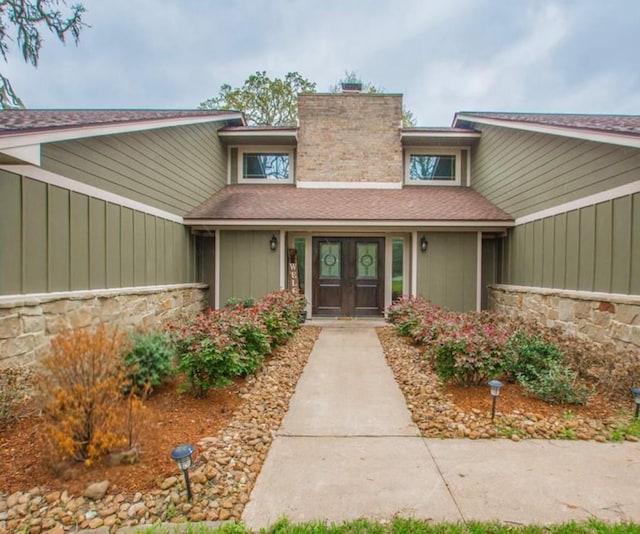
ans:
(29, 322)
(349, 138)
(601, 317)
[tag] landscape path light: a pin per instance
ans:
(495, 386)
(182, 455)
(636, 398)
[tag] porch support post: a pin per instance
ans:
(479, 273)
(308, 272)
(414, 264)
(216, 270)
(284, 252)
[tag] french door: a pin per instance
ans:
(348, 276)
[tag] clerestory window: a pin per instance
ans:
(433, 167)
(268, 166)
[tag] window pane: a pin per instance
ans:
(265, 166)
(330, 260)
(397, 268)
(367, 260)
(426, 167)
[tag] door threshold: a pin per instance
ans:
(347, 322)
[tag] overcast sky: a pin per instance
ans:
(443, 55)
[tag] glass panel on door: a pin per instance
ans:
(367, 260)
(330, 260)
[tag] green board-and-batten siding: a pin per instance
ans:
(172, 169)
(526, 172)
(248, 267)
(595, 248)
(52, 239)
(447, 271)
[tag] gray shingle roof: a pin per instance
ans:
(619, 124)
(20, 121)
(287, 202)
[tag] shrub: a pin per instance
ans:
(83, 386)
(15, 392)
(526, 355)
(235, 302)
(556, 384)
(468, 349)
(150, 362)
(205, 350)
(281, 313)
(408, 315)
(250, 335)
(221, 344)
(538, 365)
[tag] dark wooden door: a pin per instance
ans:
(348, 276)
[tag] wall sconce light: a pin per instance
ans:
(495, 386)
(636, 399)
(273, 243)
(423, 244)
(182, 455)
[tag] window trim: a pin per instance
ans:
(271, 149)
(429, 151)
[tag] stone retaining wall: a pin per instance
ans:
(601, 317)
(28, 322)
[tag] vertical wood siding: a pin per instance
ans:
(52, 239)
(248, 268)
(596, 248)
(174, 169)
(524, 172)
(447, 270)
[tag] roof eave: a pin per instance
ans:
(30, 137)
(288, 135)
(613, 138)
(435, 137)
(444, 223)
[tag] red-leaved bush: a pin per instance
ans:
(469, 348)
(221, 344)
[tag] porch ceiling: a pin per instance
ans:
(284, 203)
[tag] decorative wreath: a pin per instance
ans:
(330, 260)
(367, 260)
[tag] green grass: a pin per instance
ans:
(407, 526)
(396, 286)
(621, 431)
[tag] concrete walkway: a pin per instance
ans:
(347, 449)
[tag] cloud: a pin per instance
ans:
(504, 79)
(444, 56)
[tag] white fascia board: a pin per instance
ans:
(604, 196)
(27, 153)
(586, 135)
(349, 185)
(226, 223)
(80, 132)
(51, 178)
(260, 133)
(450, 135)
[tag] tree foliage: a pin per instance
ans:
(263, 100)
(408, 118)
(26, 18)
(274, 102)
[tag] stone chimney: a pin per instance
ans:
(349, 137)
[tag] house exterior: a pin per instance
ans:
(136, 217)
(572, 183)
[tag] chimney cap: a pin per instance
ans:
(351, 87)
